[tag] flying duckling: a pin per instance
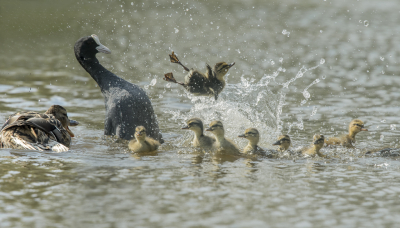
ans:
(222, 144)
(314, 149)
(355, 127)
(200, 140)
(38, 131)
(283, 142)
(210, 83)
(142, 143)
(253, 136)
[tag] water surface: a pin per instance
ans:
(301, 68)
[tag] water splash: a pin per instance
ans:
(248, 104)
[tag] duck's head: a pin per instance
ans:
(252, 135)
(216, 128)
(60, 113)
(88, 47)
(140, 133)
(194, 124)
(283, 142)
(356, 126)
(318, 141)
(222, 68)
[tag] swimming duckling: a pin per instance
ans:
(222, 144)
(314, 149)
(355, 126)
(210, 83)
(200, 140)
(253, 136)
(38, 131)
(283, 142)
(142, 143)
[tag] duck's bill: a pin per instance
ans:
(231, 65)
(70, 132)
(185, 127)
(242, 136)
(103, 49)
(277, 143)
(364, 129)
(209, 129)
(73, 123)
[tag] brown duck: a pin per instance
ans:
(38, 131)
(348, 140)
(252, 147)
(210, 83)
(142, 143)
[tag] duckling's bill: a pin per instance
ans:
(277, 143)
(185, 127)
(242, 136)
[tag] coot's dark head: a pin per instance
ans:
(88, 47)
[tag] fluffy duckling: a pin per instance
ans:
(200, 140)
(222, 144)
(253, 136)
(283, 142)
(38, 131)
(314, 149)
(210, 83)
(142, 143)
(355, 127)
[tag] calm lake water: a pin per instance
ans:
(302, 67)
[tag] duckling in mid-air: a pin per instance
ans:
(253, 136)
(38, 131)
(283, 142)
(222, 144)
(200, 140)
(142, 143)
(348, 140)
(315, 148)
(210, 83)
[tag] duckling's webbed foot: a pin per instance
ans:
(169, 77)
(174, 59)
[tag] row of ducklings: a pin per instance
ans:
(141, 143)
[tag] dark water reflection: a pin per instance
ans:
(351, 44)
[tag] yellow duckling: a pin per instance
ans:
(222, 144)
(314, 149)
(283, 142)
(210, 83)
(38, 131)
(142, 143)
(253, 136)
(355, 127)
(200, 140)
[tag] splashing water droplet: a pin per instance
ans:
(320, 31)
(366, 23)
(383, 72)
(315, 109)
(153, 82)
(272, 62)
(306, 94)
(392, 127)
(323, 77)
(382, 137)
(322, 61)
(281, 60)
(382, 58)
(285, 32)
(176, 30)
(360, 21)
